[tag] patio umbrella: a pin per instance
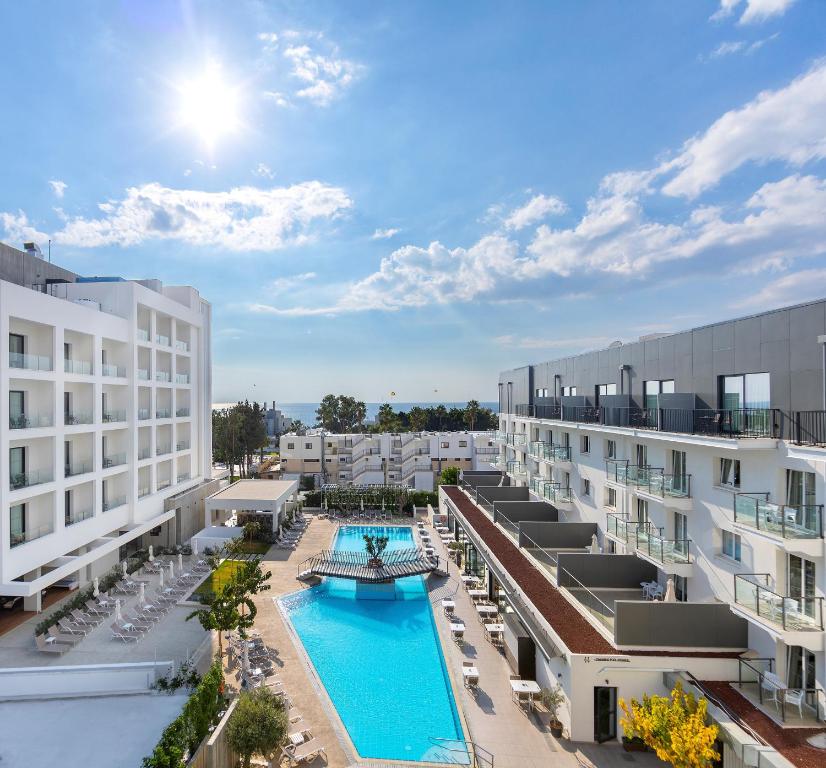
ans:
(142, 594)
(325, 504)
(151, 554)
(361, 503)
(194, 547)
(670, 592)
(245, 656)
(171, 570)
(180, 563)
(95, 587)
(160, 582)
(594, 545)
(123, 568)
(118, 617)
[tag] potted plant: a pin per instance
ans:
(375, 546)
(552, 699)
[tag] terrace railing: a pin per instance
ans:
(662, 550)
(653, 480)
(30, 420)
(30, 362)
(516, 438)
(16, 538)
(804, 521)
(77, 366)
(798, 613)
(755, 670)
(28, 479)
(599, 609)
(459, 751)
(515, 468)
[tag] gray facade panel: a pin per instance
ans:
(517, 511)
(604, 571)
(556, 535)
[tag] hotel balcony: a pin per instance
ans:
(78, 516)
(544, 451)
(499, 436)
(144, 492)
(800, 619)
(144, 453)
(77, 367)
(113, 416)
(672, 556)
(143, 414)
(768, 692)
(75, 468)
(516, 439)
(673, 490)
(113, 371)
(515, 468)
(712, 422)
(163, 376)
(184, 476)
(142, 334)
(143, 374)
(30, 362)
(182, 445)
(163, 413)
(182, 378)
(162, 339)
(162, 450)
(34, 477)
(793, 523)
(113, 503)
(113, 460)
(181, 346)
(16, 538)
(30, 420)
(182, 413)
(72, 418)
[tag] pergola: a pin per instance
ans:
(262, 499)
(351, 498)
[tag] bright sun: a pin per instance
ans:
(209, 105)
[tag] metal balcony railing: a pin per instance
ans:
(30, 420)
(803, 521)
(80, 367)
(792, 613)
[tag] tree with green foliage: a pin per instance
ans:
(238, 432)
(341, 414)
(249, 580)
(220, 612)
(386, 420)
(375, 546)
(257, 725)
(471, 413)
(252, 529)
(449, 476)
(418, 419)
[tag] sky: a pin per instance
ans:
(385, 197)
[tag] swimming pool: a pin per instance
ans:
(381, 661)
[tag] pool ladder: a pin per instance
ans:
(479, 756)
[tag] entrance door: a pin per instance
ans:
(605, 714)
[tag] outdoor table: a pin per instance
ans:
(530, 687)
(487, 610)
(469, 578)
(442, 529)
(470, 672)
(50, 639)
(477, 593)
(494, 629)
(448, 604)
(454, 627)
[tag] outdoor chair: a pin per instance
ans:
(50, 647)
(84, 619)
(96, 609)
(118, 633)
(71, 627)
(795, 697)
(62, 637)
(304, 753)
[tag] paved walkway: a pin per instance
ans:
(493, 720)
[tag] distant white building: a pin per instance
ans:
(387, 458)
(109, 388)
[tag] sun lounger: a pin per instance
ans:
(96, 609)
(62, 637)
(72, 628)
(52, 646)
(304, 753)
(125, 635)
(84, 619)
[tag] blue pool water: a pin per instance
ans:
(381, 661)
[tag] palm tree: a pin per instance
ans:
(471, 413)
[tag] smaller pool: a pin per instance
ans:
(381, 661)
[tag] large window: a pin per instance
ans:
(610, 449)
(17, 516)
(732, 546)
(750, 390)
(568, 391)
(541, 392)
(730, 473)
(586, 487)
(611, 498)
(585, 444)
(800, 488)
(653, 389)
(641, 454)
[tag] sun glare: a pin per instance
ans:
(209, 105)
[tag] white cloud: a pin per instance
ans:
(324, 77)
(277, 97)
(788, 124)
(739, 46)
(241, 219)
(58, 187)
(384, 234)
(264, 171)
(536, 342)
(269, 39)
(19, 230)
(755, 10)
(281, 284)
(536, 209)
(794, 288)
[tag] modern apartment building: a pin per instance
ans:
(690, 468)
(386, 458)
(108, 386)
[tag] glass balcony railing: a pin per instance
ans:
(78, 516)
(117, 371)
(143, 374)
(182, 413)
(142, 334)
(665, 551)
(162, 340)
(182, 378)
(556, 494)
(500, 436)
(162, 450)
(672, 486)
(164, 484)
(516, 438)
(30, 420)
(80, 367)
(74, 468)
(145, 491)
(495, 460)
(163, 413)
(621, 527)
(113, 503)
(72, 418)
(515, 468)
(144, 453)
(114, 460)
(182, 445)
(162, 376)
(182, 346)
(804, 521)
(143, 413)
(19, 480)
(23, 537)
(110, 417)
(182, 478)
(792, 613)
(30, 362)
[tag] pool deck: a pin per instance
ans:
(494, 721)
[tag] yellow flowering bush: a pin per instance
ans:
(674, 727)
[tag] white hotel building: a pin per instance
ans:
(108, 388)
(698, 460)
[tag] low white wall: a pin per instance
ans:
(79, 680)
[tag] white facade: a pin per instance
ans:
(109, 389)
(385, 458)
